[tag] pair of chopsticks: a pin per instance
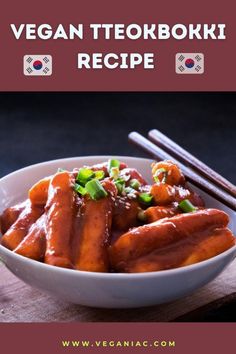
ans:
(160, 147)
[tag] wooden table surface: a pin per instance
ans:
(21, 303)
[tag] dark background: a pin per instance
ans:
(35, 127)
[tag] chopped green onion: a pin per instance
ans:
(95, 189)
(142, 216)
(113, 163)
(114, 172)
(80, 189)
(134, 183)
(186, 206)
(60, 170)
(145, 198)
(120, 185)
(129, 190)
(157, 173)
(84, 175)
(99, 174)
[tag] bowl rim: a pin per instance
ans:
(73, 158)
(118, 276)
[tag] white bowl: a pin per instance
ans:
(104, 289)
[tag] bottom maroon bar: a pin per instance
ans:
(179, 338)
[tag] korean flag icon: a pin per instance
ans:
(37, 65)
(189, 63)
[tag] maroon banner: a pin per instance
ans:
(22, 59)
(166, 338)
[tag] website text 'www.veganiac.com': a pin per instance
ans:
(117, 344)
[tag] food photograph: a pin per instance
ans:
(117, 207)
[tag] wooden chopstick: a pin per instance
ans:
(158, 154)
(184, 156)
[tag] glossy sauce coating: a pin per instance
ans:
(38, 194)
(125, 213)
(34, 244)
(60, 210)
(93, 236)
(16, 233)
(142, 241)
(196, 248)
(10, 215)
(160, 212)
(93, 232)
